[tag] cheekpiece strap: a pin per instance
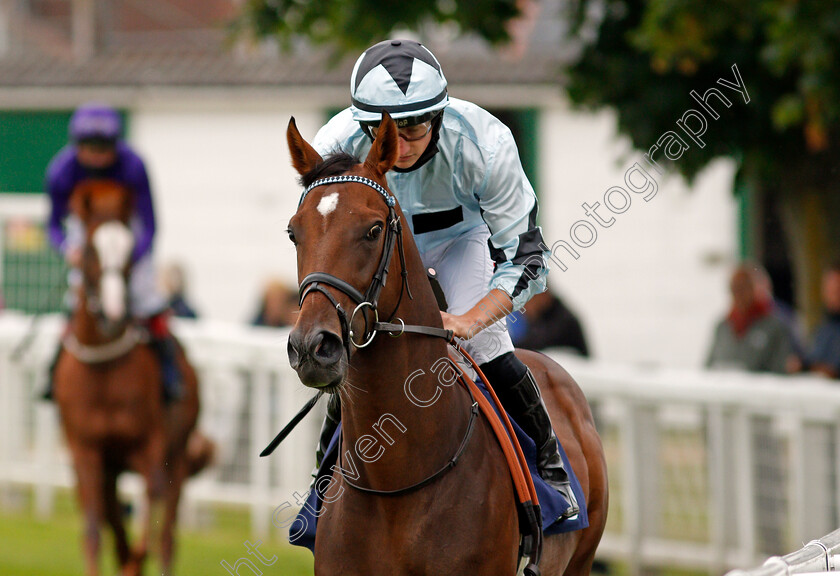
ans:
(389, 199)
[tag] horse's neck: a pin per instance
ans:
(398, 397)
(401, 419)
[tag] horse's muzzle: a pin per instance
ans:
(318, 358)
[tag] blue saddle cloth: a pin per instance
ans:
(552, 504)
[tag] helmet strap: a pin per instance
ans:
(367, 132)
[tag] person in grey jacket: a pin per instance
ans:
(750, 337)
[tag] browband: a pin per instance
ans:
(389, 199)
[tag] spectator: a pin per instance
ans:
(173, 286)
(824, 355)
(278, 305)
(750, 337)
(785, 313)
(546, 322)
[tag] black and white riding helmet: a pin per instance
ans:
(400, 76)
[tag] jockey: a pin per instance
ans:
(472, 213)
(96, 150)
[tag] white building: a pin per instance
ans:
(211, 126)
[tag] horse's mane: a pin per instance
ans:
(334, 164)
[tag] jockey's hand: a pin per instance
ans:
(73, 256)
(493, 307)
(461, 325)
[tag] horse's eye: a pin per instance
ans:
(291, 236)
(374, 232)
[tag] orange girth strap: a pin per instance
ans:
(510, 445)
(520, 473)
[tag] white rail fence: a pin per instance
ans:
(817, 557)
(711, 469)
(707, 470)
(248, 393)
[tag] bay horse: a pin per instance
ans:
(108, 393)
(346, 230)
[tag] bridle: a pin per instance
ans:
(93, 301)
(370, 299)
(318, 281)
(113, 349)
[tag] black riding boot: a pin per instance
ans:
(328, 428)
(166, 351)
(47, 394)
(520, 395)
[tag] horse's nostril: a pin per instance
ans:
(292, 350)
(323, 349)
(328, 348)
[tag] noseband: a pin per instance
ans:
(317, 281)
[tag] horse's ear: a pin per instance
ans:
(385, 150)
(304, 156)
(80, 201)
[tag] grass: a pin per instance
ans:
(52, 547)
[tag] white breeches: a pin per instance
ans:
(464, 269)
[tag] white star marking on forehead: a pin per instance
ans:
(328, 203)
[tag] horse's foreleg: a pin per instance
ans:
(177, 475)
(89, 483)
(150, 464)
(113, 514)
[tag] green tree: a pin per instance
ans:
(645, 56)
(353, 25)
(642, 58)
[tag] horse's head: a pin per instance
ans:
(345, 230)
(104, 206)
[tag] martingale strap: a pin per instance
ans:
(429, 479)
